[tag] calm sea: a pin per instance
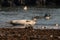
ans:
(7, 14)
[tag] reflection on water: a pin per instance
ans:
(18, 13)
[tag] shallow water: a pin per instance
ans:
(18, 14)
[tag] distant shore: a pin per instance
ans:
(18, 7)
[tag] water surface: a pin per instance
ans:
(7, 14)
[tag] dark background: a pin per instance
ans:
(10, 3)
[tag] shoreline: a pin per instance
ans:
(34, 27)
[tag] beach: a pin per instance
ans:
(29, 34)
